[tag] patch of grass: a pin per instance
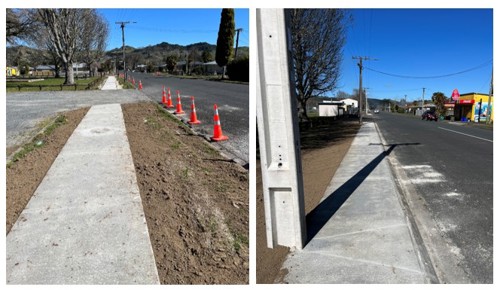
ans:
(221, 187)
(239, 240)
(176, 145)
(59, 121)
(185, 173)
(210, 150)
(212, 225)
(50, 84)
(152, 122)
(125, 84)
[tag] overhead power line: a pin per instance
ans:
(431, 77)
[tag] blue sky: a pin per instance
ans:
(175, 26)
(419, 43)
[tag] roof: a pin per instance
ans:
(474, 94)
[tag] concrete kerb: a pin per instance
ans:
(417, 239)
(431, 246)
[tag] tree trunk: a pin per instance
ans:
(70, 76)
(223, 72)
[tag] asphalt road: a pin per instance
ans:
(25, 110)
(232, 101)
(450, 166)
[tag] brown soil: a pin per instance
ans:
(195, 201)
(324, 145)
(24, 176)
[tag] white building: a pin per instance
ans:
(350, 106)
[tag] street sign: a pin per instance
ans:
(455, 95)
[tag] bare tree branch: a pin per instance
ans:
(318, 36)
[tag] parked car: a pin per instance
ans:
(376, 111)
(429, 116)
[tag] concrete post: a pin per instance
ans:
(279, 141)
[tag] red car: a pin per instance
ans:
(429, 116)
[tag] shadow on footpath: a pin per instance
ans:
(320, 215)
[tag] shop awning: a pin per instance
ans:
(466, 102)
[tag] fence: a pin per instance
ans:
(63, 87)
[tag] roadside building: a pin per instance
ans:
(331, 109)
(12, 71)
(473, 107)
(350, 106)
(44, 71)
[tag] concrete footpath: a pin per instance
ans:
(110, 84)
(85, 223)
(359, 233)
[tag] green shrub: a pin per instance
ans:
(238, 69)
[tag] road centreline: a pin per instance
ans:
(466, 134)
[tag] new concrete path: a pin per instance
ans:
(360, 233)
(85, 223)
(110, 84)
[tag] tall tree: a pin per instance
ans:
(225, 39)
(93, 40)
(19, 25)
(318, 36)
(171, 62)
(207, 56)
(439, 99)
(65, 27)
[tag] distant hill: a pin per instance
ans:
(157, 53)
(151, 53)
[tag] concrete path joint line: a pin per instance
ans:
(363, 231)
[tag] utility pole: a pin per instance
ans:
(488, 120)
(237, 40)
(279, 138)
(122, 25)
(423, 93)
(360, 90)
(366, 101)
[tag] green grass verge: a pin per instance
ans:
(51, 84)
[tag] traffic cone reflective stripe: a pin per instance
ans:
(218, 136)
(194, 120)
(164, 97)
(179, 110)
(169, 100)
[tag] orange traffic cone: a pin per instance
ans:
(140, 85)
(169, 100)
(179, 110)
(217, 128)
(194, 120)
(133, 81)
(164, 97)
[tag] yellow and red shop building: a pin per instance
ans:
(471, 107)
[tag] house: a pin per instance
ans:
(473, 107)
(212, 68)
(331, 109)
(350, 106)
(44, 70)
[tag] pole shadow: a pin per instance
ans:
(321, 214)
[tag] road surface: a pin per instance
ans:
(232, 101)
(449, 168)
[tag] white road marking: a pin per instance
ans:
(466, 134)
(420, 174)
